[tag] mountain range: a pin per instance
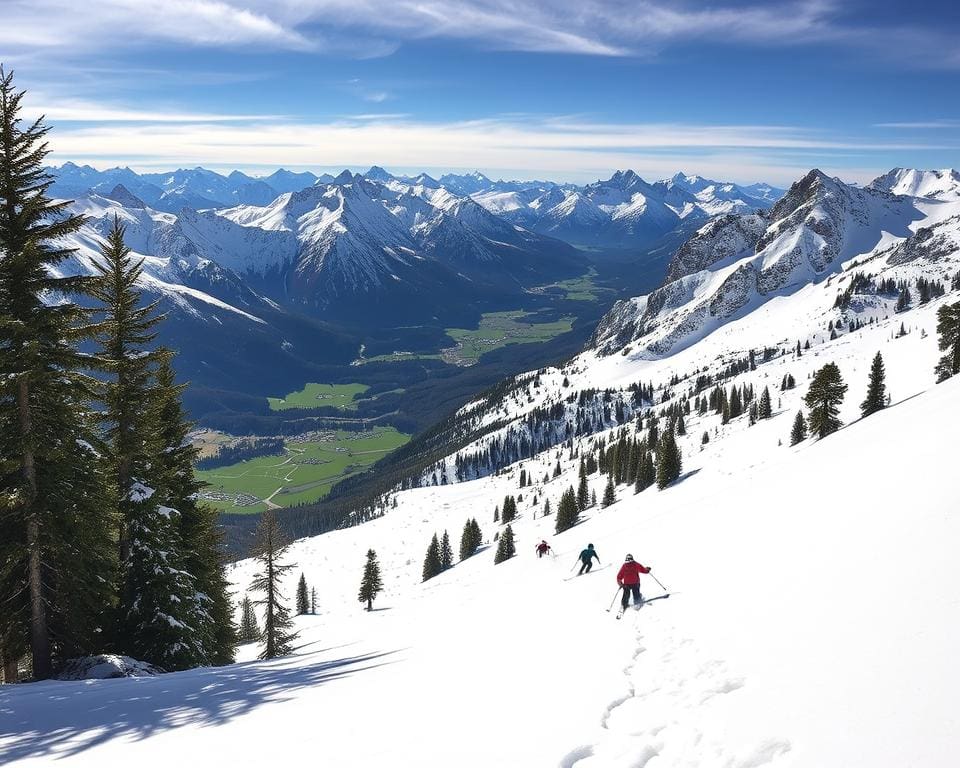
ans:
(276, 275)
(820, 228)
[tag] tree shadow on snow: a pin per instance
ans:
(58, 719)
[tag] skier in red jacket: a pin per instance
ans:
(628, 577)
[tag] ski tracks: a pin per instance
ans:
(672, 712)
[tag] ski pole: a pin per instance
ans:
(658, 582)
(615, 595)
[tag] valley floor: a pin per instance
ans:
(813, 622)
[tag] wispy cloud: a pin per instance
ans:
(363, 28)
(84, 111)
(59, 24)
(560, 147)
(923, 124)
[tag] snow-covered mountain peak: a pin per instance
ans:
(125, 197)
(376, 173)
(935, 184)
(736, 263)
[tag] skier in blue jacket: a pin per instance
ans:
(586, 559)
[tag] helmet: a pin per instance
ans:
(629, 558)
(589, 546)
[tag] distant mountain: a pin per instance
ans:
(624, 211)
(939, 185)
(182, 188)
(737, 263)
(394, 240)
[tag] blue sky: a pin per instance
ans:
(733, 89)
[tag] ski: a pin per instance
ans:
(650, 600)
(643, 603)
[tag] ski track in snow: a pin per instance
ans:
(658, 721)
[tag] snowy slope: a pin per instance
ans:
(811, 621)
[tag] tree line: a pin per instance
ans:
(103, 546)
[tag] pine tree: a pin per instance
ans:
(567, 512)
(496, 514)
(876, 389)
(546, 508)
(201, 537)
(371, 585)
(313, 601)
(609, 493)
(505, 547)
(509, 512)
(681, 426)
(446, 552)
(583, 493)
(249, 632)
(468, 542)
(270, 545)
(125, 336)
(765, 409)
(54, 591)
(669, 461)
(431, 563)
(799, 432)
(948, 330)
(823, 399)
(646, 472)
(303, 599)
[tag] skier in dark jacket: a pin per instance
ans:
(543, 548)
(628, 577)
(586, 559)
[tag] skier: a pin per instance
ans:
(628, 577)
(586, 559)
(542, 548)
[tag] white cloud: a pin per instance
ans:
(946, 123)
(362, 28)
(559, 148)
(80, 110)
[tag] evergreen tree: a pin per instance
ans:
(669, 460)
(54, 589)
(496, 514)
(948, 329)
(468, 542)
(505, 547)
(371, 585)
(431, 563)
(583, 493)
(546, 508)
(799, 432)
(313, 601)
(823, 399)
(509, 512)
(646, 473)
(876, 398)
(765, 409)
(125, 336)
(201, 537)
(609, 493)
(681, 426)
(270, 545)
(593, 498)
(446, 552)
(249, 632)
(303, 598)
(567, 513)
